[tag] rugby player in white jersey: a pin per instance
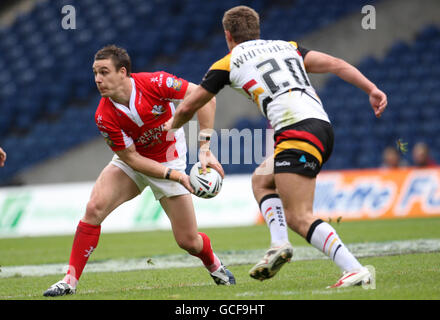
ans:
(130, 116)
(273, 73)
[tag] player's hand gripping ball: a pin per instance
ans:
(206, 185)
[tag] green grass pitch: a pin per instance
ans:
(398, 276)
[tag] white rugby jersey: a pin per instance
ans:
(273, 75)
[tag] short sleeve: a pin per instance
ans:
(165, 85)
(215, 80)
(114, 136)
(217, 76)
(302, 51)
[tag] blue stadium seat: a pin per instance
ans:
(54, 66)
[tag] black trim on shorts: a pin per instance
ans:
(312, 229)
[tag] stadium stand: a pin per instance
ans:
(410, 76)
(48, 96)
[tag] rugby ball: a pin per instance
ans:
(206, 185)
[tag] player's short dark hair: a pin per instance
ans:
(118, 55)
(243, 23)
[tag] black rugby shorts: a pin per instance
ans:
(303, 147)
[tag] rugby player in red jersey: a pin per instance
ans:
(130, 116)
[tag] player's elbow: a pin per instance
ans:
(129, 156)
(185, 112)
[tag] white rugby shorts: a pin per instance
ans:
(160, 187)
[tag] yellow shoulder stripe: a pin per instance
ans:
(294, 44)
(222, 64)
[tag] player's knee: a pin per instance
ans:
(261, 184)
(256, 181)
(94, 212)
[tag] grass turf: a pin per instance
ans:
(413, 276)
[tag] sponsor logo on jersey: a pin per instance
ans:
(151, 137)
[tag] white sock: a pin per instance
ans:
(272, 210)
(323, 237)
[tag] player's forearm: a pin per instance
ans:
(147, 166)
(352, 75)
(185, 111)
(206, 115)
(183, 115)
(319, 62)
(206, 118)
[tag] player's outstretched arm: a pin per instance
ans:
(206, 118)
(192, 102)
(318, 62)
(206, 113)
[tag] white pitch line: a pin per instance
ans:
(236, 257)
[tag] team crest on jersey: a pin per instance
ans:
(107, 139)
(174, 83)
(157, 110)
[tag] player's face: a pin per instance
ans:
(107, 79)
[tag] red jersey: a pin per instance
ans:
(150, 106)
